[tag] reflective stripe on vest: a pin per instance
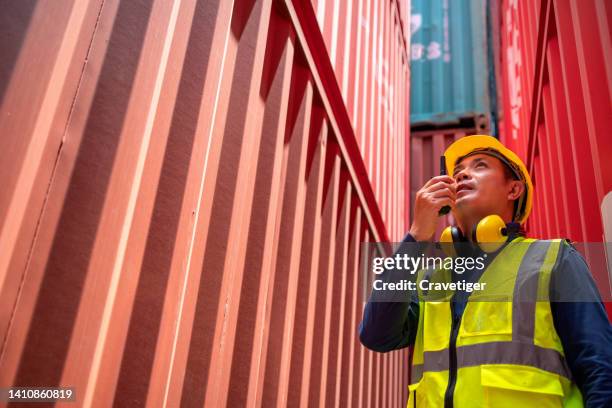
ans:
(525, 291)
(495, 353)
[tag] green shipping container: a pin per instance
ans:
(450, 82)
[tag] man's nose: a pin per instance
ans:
(462, 175)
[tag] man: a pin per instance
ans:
(520, 352)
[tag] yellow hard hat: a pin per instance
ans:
(489, 145)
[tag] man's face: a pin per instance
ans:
(482, 187)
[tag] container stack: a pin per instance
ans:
(452, 92)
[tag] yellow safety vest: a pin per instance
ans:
(507, 353)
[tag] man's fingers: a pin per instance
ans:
(436, 179)
(441, 186)
(444, 201)
(444, 192)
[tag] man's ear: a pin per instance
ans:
(516, 189)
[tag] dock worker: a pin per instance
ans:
(526, 351)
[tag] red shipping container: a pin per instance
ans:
(366, 42)
(557, 98)
(184, 195)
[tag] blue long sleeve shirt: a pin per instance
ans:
(583, 327)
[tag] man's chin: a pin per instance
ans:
(467, 206)
(465, 201)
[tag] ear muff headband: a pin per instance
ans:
(457, 235)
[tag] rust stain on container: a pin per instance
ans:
(186, 185)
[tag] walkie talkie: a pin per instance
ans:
(444, 210)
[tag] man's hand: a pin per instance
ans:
(435, 194)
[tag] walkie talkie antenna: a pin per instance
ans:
(446, 209)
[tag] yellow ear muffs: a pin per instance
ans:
(446, 242)
(449, 237)
(446, 236)
(490, 233)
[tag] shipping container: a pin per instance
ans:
(557, 99)
(367, 45)
(185, 188)
(449, 65)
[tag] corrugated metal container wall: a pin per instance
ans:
(367, 44)
(449, 63)
(557, 76)
(182, 205)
